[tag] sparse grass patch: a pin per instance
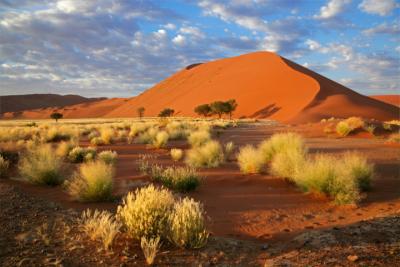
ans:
(181, 179)
(186, 224)
(228, 149)
(41, 166)
(145, 212)
(108, 156)
(250, 160)
(176, 154)
(100, 225)
(92, 182)
(207, 155)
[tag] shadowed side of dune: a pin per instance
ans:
(336, 100)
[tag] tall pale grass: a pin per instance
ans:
(145, 212)
(186, 224)
(150, 247)
(41, 166)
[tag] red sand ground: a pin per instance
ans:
(264, 84)
(390, 99)
(259, 207)
(17, 103)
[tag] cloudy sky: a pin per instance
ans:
(120, 47)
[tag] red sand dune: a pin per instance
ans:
(93, 109)
(264, 84)
(390, 99)
(16, 103)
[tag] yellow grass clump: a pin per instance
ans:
(108, 156)
(208, 155)
(250, 160)
(176, 154)
(199, 138)
(92, 182)
(150, 248)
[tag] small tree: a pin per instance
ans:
(140, 112)
(204, 110)
(231, 106)
(56, 116)
(218, 108)
(167, 112)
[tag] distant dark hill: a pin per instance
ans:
(17, 103)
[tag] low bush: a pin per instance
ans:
(250, 160)
(108, 156)
(92, 182)
(280, 143)
(207, 155)
(100, 225)
(97, 141)
(182, 179)
(4, 165)
(199, 138)
(345, 127)
(54, 134)
(358, 169)
(186, 224)
(148, 136)
(176, 154)
(107, 135)
(41, 166)
(81, 154)
(355, 122)
(145, 212)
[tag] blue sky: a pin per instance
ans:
(119, 48)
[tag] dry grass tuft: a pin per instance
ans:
(108, 156)
(250, 160)
(208, 155)
(176, 154)
(100, 226)
(199, 138)
(4, 165)
(150, 248)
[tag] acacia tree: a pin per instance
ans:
(56, 116)
(218, 108)
(203, 110)
(167, 112)
(140, 112)
(231, 106)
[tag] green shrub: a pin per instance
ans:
(41, 166)
(280, 143)
(108, 156)
(100, 225)
(145, 212)
(199, 138)
(81, 154)
(250, 160)
(176, 154)
(208, 155)
(92, 182)
(182, 179)
(186, 224)
(4, 165)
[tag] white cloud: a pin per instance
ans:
(378, 7)
(332, 9)
(194, 31)
(170, 26)
(384, 28)
(179, 40)
(313, 45)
